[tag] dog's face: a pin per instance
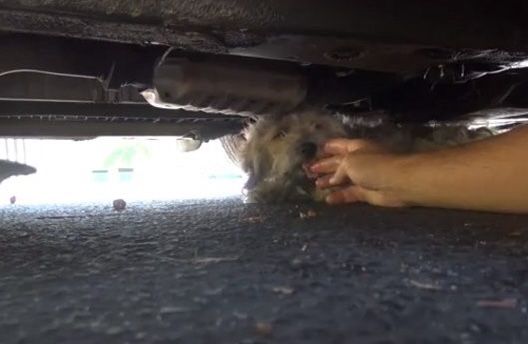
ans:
(278, 151)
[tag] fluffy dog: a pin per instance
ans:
(278, 150)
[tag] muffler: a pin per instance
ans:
(230, 87)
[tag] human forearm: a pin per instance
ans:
(488, 175)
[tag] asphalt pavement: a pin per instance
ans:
(226, 272)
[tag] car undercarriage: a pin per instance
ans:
(199, 68)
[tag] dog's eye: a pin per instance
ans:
(318, 126)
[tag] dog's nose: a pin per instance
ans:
(308, 150)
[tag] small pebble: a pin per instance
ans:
(308, 214)
(263, 328)
(119, 204)
(283, 290)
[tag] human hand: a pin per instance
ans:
(358, 171)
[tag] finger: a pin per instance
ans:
(324, 182)
(354, 194)
(345, 146)
(346, 195)
(340, 175)
(328, 165)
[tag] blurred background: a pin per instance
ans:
(107, 168)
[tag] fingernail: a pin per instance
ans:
(332, 180)
(314, 167)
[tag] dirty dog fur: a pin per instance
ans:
(278, 149)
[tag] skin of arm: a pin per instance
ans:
(486, 175)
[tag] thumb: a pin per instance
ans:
(363, 169)
(340, 176)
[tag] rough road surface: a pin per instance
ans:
(225, 272)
